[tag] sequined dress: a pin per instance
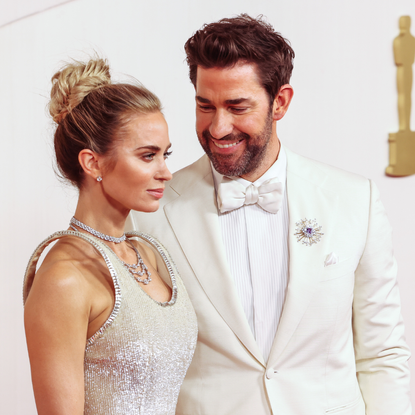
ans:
(136, 362)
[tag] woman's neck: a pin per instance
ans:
(97, 212)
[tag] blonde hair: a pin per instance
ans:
(73, 83)
(92, 112)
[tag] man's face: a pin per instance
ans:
(234, 121)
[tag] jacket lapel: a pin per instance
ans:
(207, 258)
(307, 199)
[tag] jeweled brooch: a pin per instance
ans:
(308, 232)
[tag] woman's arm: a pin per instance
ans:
(56, 322)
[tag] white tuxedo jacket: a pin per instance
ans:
(339, 348)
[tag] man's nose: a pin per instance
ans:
(221, 125)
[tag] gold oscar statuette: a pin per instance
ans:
(402, 143)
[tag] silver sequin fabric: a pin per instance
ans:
(136, 362)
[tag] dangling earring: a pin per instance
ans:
(99, 179)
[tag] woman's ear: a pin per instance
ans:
(90, 163)
(282, 101)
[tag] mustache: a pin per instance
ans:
(229, 137)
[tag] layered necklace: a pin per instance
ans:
(136, 270)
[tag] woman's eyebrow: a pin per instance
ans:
(149, 147)
(152, 148)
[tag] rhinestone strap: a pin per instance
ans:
(31, 270)
(169, 263)
(99, 235)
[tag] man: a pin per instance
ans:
(288, 262)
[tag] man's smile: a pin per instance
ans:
(227, 145)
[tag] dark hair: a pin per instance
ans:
(92, 113)
(224, 43)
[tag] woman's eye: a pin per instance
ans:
(167, 154)
(149, 156)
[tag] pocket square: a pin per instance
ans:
(331, 259)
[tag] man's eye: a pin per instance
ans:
(238, 109)
(205, 107)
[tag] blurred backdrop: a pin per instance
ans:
(344, 106)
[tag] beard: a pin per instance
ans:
(252, 157)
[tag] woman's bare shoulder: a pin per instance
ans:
(61, 272)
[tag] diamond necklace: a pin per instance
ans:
(100, 235)
(136, 270)
(132, 268)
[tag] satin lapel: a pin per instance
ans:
(194, 220)
(307, 198)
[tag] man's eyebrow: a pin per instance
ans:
(228, 101)
(202, 100)
(236, 101)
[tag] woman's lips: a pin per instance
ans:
(157, 193)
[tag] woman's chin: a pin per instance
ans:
(151, 207)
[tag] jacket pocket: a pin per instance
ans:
(338, 270)
(356, 407)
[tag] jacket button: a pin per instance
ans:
(270, 373)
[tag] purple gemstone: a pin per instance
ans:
(309, 231)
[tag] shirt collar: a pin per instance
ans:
(278, 169)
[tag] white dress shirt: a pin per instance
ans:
(256, 245)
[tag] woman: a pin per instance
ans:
(109, 326)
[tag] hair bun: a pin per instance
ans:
(73, 83)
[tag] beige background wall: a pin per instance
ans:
(11, 11)
(343, 109)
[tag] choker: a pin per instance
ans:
(136, 270)
(92, 231)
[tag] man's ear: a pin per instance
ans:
(282, 101)
(90, 163)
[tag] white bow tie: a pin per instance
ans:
(233, 195)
